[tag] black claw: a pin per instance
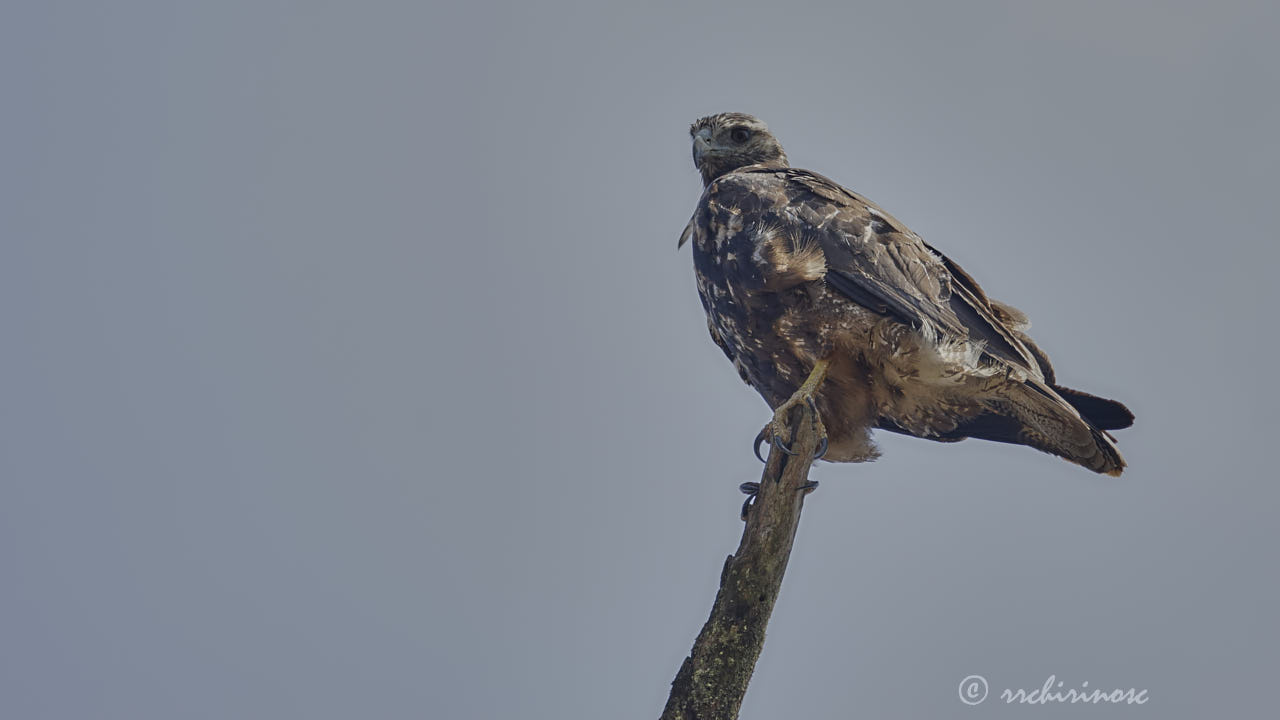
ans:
(750, 489)
(809, 486)
(778, 444)
(812, 405)
(773, 440)
(823, 445)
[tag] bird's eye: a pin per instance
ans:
(739, 135)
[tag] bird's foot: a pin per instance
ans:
(772, 432)
(777, 429)
(752, 491)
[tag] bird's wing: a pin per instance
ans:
(874, 260)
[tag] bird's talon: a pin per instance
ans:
(759, 441)
(778, 444)
(809, 487)
(751, 490)
(823, 444)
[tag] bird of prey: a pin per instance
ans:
(818, 296)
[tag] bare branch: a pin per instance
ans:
(713, 679)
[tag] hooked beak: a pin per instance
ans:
(701, 145)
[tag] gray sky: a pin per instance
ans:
(350, 368)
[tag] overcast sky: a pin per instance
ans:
(350, 369)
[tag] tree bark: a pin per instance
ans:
(713, 679)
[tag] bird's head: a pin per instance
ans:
(725, 142)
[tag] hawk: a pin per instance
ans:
(818, 296)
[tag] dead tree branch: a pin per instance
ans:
(713, 679)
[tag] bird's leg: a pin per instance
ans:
(776, 430)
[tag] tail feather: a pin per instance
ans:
(1038, 416)
(1102, 413)
(1050, 423)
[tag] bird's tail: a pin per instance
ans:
(1102, 413)
(1047, 421)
